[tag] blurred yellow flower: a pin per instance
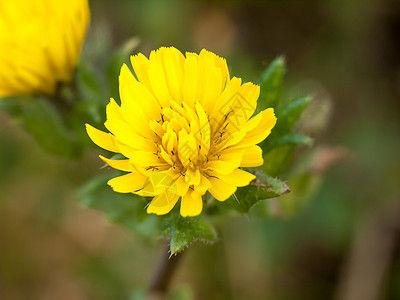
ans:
(184, 127)
(40, 43)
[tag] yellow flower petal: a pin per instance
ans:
(205, 134)
(115, 121)
(144, 158)
(148, 190)
(102, 139)
(181, 186)
(191, 204)
(222, 167)
(157, 78)
(204, 185)
(123, 131)
(136, 98)
(220, 189)
(193, 176)
(252, 157)
(223, 104)
(140, 65)
(127, 183)
(187, 148)
(233, 155)
(190, 79)
(173, 67)
(238, 177)
(213, 83)
(123, 164)
(163, 203)
(244, 104)
(261, 131)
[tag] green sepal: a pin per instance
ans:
(183, 231)
(271, 82)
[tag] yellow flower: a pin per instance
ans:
(184, 128)
(40, 42)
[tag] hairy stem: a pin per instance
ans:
(163, 273)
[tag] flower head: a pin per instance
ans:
(40, 42)
(185, 128)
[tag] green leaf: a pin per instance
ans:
(277, 160)
(271, 82)
(87, 81)
(293, 139)
(280, 146)
(184, 231)
(92, 100)
(304, 186)
(262, 188)
(288, 115)
(125, 209)
(44, 122)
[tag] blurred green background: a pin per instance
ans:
(343, 242)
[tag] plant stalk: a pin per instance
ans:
(163, 274)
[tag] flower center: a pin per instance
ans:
(183, 139)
